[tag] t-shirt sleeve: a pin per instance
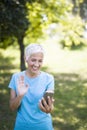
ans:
(12, 83)
(50, 85)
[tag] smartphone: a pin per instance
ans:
(48, 93)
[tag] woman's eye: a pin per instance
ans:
(40, 61)
(33, 60)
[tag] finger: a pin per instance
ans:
(22, 78)
(41, 106)
(46, 105)
(18, 82)
(49, 100)
(50, 103)
(44, 102)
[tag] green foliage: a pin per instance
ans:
(13, 21)
(7, 41)
(32, 18)
(43, 13)
(73, 28)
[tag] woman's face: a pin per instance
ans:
(35, 63)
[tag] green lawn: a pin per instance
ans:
(70, 71)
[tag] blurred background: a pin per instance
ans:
(61, 27)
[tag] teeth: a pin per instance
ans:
(35, 68)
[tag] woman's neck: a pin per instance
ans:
(32, 75)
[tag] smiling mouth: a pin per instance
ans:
(35, 68)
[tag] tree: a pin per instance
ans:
(43, 13)
(72, 32)
(19, 18)
(61, 12)
(13, 24)
(80, 7)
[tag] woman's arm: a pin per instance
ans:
(14, 100)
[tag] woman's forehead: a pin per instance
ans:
(38, 54)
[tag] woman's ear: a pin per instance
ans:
(26, 59)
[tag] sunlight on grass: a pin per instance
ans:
(81, 105)
(3, 91)
(85, 85)
(74, 120)
(59, 60)
(1, 79)
(59, 119)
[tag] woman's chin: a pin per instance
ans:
(35, 72)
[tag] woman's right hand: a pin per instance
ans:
(21, 86)
(15, 100)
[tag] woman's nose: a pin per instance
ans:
(36, 64)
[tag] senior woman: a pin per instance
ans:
(27, 89)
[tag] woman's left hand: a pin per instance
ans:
(46, 107)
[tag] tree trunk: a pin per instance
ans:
(21, 45)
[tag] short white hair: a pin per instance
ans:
(33, 48)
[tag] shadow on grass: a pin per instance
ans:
(70, 107)
(70, 111)
(6, 117)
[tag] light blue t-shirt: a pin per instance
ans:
(29, 115)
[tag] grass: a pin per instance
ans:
(70, 71)
(70, 102)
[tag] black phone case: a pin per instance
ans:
(50, 94)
